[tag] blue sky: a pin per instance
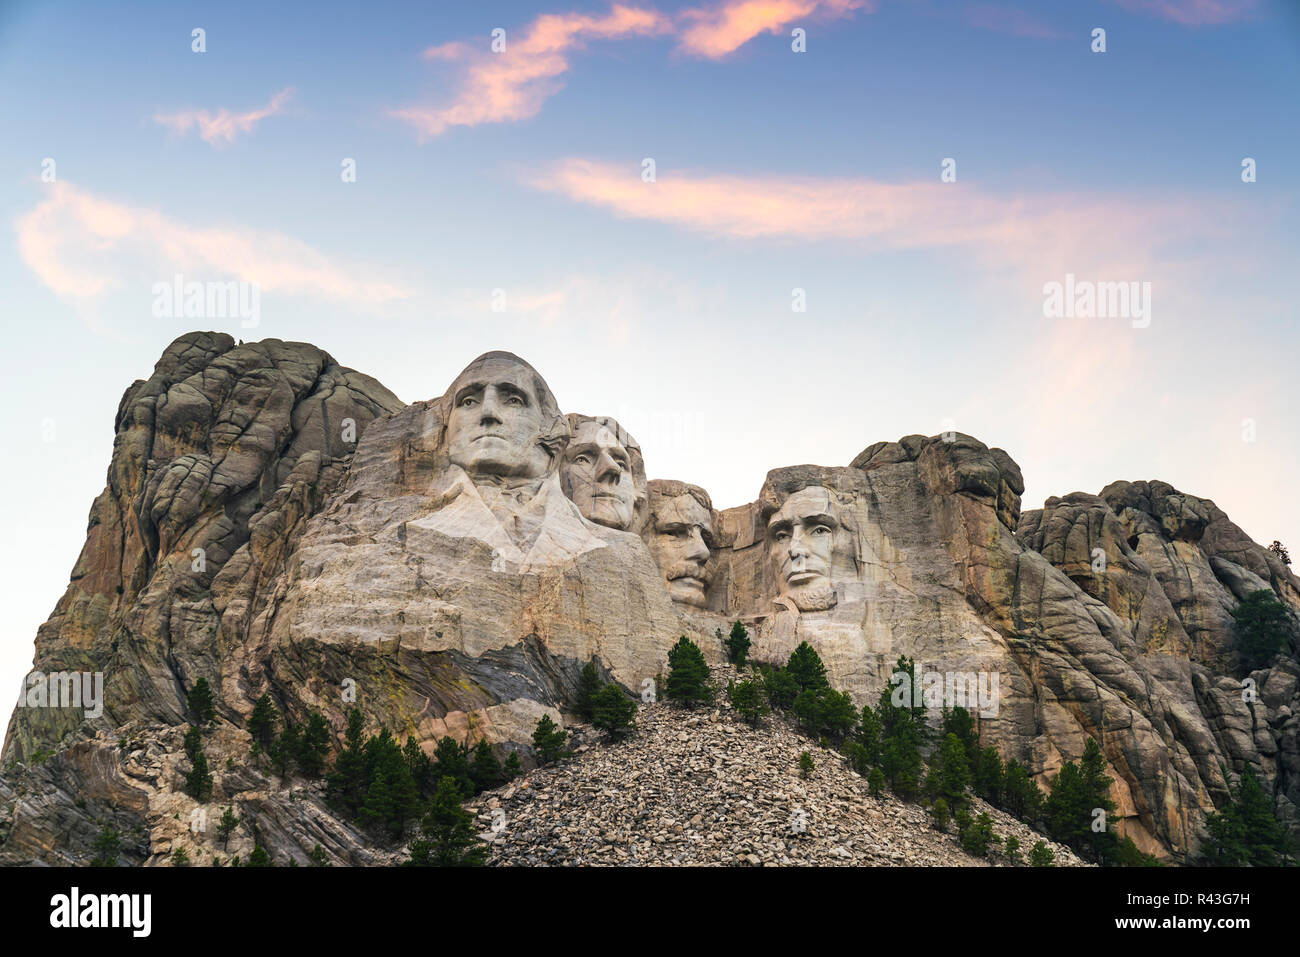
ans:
(668, 304)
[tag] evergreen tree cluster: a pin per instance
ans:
(304, 748)
(1246, 832)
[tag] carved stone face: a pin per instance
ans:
(496, 421)
(801, 548)
(681, 538)
(597, 475)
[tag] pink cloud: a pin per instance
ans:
(716, 31)
(513, 84)
(223, 126)
(81, 246)
(1195, 13)
(1010, 20)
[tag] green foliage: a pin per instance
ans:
(688, 675)
(199, 702)
(451, 760)
(392, 799)
(1245, 831)
(1278, 549)
(484, 769)
(284, 750)
(975, 835)
(513, 767)
(869, 736)
(876, 782)
(259, 857)
(1077, 792)
(902, 733)
(949, 775)
(1021, 797)
(988, 774)
(318, 857)
(940, 815)
(180, 858)
(226, 826)
(1040, 855)
(615, 711)
(806, 668)
(749, 699)
(447, 837)
(198, 782)
(737, 644)
(825, 712)
(1263, 628)
(781, 687)
(805, 765)
(261, 723)
(548, 740)
(346, 785)
(193, 741)
(959, 721)
(589, 684)
(1013, 850)
(314, 746)
(107, 846)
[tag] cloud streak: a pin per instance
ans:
(223, 127)
(82, 247)
(1009, 20)
(1195, 13)
(720, 30)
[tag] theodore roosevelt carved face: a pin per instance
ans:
(681, 537)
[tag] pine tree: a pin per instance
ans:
(876, 782)
(780, 686)
(1040, 855)
(193, 741)
(806, 668)
(261, 723)
(749, 700)
(451, 760)
(392, 799)
(959, 721)
(1245, 832)
(688, 675)
(107, 846)
(484, 769)
(805, 765)
(1263, 628)
(513, 766)
(737, 644)
(199, 702)
(869, 736)
(314, 746)
(950, 775)
(1021, 797)
(346, 784)
(975, 835)
(284, 749)
(318, 857)
(198, 782)
(588, 684)
(421, 767)
(1013, 850)
(259, 857)
(939, 814)
(988, 775)
(226, 827)
(447, 837)
(615, 711)
(902, 733)
(180, 858)
(548, 740)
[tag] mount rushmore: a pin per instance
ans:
(276, 523)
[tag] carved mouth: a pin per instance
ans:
(801, 577)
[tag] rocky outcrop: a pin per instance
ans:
(278, 524)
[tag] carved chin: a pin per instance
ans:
(688, 591)
(817, 596)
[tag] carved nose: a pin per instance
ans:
(607, 470)
(698, 551)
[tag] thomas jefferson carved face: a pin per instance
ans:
(498, 419)
(801, 547)
(597, 476)
(681, 540)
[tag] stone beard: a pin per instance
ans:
(597, 473)
(801, 541)
(681, 538)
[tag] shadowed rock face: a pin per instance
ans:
(278, 524)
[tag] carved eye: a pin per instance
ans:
(583, 459)
(821, 530)
(466, 402)
(515, 400)
(782, 536)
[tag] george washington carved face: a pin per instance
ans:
(502, 419)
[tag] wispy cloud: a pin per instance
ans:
(1011, 20)
(1195, 13)
(83, 246)
(221, 128)
(1042, 234)
(723, 28)
(513, 84)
